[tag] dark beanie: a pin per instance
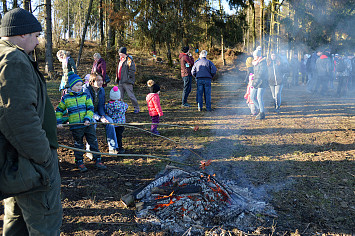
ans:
(73, 79)
(154, 89)
(123, 50)
(18, 22)
(185, 49)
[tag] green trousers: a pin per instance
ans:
(36, 213)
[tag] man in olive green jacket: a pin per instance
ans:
(29, 180)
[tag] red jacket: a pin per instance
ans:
(153, 102)
(186, 60)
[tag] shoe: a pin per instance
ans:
(121, 150)
(185, 105)
(260, 116)
(100, 166)
(89, 155)
(199, 109)
(113, 151)
(136, 111)
(82, 167)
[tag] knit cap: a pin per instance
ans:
(115, 93)
(123, 50)
(18, 22)
(154, 89)
(257, 52)
(73, 79)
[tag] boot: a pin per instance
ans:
(260, 116)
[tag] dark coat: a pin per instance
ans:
(275, 72)
(260, 75)
(27, 131)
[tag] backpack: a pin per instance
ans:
(340, 65)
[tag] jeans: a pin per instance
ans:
(110, 134)
(204, 90)
(90, 135)
(187, 88)
(256, 95)
(276, 94)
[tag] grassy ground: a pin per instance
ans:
(301, 160)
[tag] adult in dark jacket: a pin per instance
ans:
(97, 93)
(187, 62)
(30, 179)
(275, 73)
(259, 83)
(99, 66)
(324, 69)
(204, 70)
(125, 76)
(312, 75)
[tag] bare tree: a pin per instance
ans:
(101, 22)
(27, 5)
(49, 69)
(84, 33)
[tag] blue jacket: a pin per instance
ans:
(204, 69)
(100, 109)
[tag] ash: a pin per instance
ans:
(179, 201)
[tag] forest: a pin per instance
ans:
(164, 26)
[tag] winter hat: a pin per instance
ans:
(185, 49)
(115, 93)
(257, 52)
(154, 89)
(73, 79)
(123, 50)
(18, 22)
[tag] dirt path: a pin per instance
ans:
(301, 160)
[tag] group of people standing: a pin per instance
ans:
(203, 70)
(317, 72)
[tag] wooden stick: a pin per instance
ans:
(122, 155)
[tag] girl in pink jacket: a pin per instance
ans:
(154, 107)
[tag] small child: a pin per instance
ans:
(116, 110)
(80, 110)
(247, 95)
(154, 107)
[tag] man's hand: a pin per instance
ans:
(59, 126)
(87, 123)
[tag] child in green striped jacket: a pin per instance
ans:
(80, 110)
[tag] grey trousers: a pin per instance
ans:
(128, 88)
(37, 213)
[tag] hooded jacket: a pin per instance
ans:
(153, 102)
(186, 63)
(27, 124)
(99, 67)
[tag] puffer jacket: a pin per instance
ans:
(128, 71)
(27, 124)
(153, 102)
(80, 108)
(260, 74)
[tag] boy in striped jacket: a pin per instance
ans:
(80, 110)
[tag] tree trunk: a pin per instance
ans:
(48, 39)
(27, 5)
(253, 24)
(170, 61)
(222, 50)
(4, 6)
(15, 5)
(262, 25)
(84, 33)
(101, 23)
